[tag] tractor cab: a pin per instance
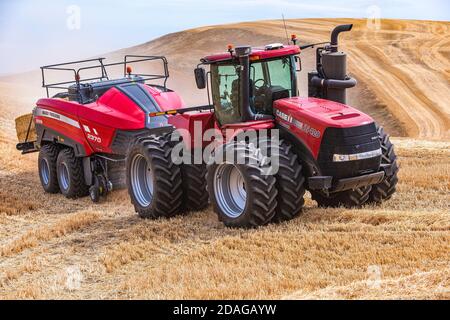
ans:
(246, 81)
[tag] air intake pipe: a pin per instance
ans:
(331, 81)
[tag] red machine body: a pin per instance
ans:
(100, 132)
(308, 118)
(93, 126)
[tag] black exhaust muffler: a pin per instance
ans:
(331, 81)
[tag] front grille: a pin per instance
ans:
(349, 141)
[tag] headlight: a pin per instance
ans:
(356, 156)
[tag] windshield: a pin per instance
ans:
(271, 80)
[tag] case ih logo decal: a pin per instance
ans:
(300, 125)
(283, 116)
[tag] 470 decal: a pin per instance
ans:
(299, 124)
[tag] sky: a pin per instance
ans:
(35, 33)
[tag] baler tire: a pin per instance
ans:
(348, 198)
(260, 192)
(386, 188)
(195, 193)
(165, 199)
(290, 184)
(71, 175)
(48, 155)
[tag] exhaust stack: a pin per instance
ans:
(243, 53)
(335, 34)
(331, 81)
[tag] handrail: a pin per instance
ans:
(104, 73)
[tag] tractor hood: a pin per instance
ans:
(319, 123)
(320, 113)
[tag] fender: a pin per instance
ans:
(45, 135)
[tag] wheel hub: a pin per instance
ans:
(230, 191)
(64, 176)
(45, 171)
(142, 180)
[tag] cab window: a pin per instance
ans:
(225, 93)
(270, 80)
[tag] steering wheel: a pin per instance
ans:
(264, 83)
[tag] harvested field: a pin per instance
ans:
(52, 247)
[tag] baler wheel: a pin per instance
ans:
(47, 168)
(385, 189)
(71, 175)
(194, 187)
(290, 184)
(153, 180)
(241, 194)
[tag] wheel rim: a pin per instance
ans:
(64, 176)
(45, 171)
(142, 180)
(229, 189)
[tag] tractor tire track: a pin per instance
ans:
(403, 97)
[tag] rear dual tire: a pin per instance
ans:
(70, 174)
(61, 171)
(154, 181)
(47, 168)
(195, 195)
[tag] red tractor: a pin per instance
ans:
(99, 131)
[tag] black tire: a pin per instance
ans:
(260, 202)
(290, 184)
(70, 173)
(349, 198)
(47, 168)
(165, 196)
(385, 189)
(195, 194)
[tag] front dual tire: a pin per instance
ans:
(242, 195)
(249, 194)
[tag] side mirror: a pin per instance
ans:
(298, 64)
(200, 77)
